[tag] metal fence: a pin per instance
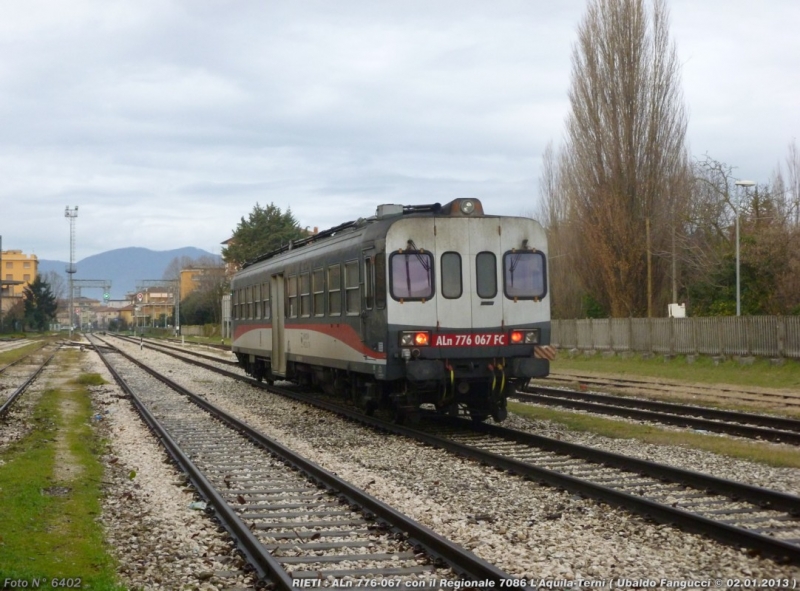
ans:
(764, 336)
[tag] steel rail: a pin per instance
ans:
(723, 532)
(13, 363)
(156, 345)
(717, 391)
(776, 429)
(18, 392)
(462, 561)
(255, 553)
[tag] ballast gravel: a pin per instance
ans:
(529, 530)
(155, 523)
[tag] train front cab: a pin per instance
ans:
(468, 312)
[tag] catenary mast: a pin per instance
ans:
(71, 214)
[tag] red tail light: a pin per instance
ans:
(420, 338)
(517, 336)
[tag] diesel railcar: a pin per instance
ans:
(424, 304)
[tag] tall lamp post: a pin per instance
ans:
(71, 214)
(744, 184)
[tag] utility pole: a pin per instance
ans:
(71, 214)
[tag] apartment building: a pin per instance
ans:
(193, 278)
(16, 271)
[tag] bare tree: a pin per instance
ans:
(565, 287)
(57, 283)
(625, 165)
(793, 183)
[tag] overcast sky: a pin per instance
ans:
(165, 122)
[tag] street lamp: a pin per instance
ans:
(744, 184)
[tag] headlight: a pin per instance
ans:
(421, 338)
(467, 206)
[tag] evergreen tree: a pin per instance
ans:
(266, 229)
(40, 304)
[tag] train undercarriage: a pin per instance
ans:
(457, 394)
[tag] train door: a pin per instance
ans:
(277, 295)
(485, 285)
(368, 289)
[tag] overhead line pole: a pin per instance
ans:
(71, 214)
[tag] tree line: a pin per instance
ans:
(634, 222)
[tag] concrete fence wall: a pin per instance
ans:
(763, 336)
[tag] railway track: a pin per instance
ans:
(718, 393)
(292, 519)
(756, 426)
(11, 344)
(171, 346)
(738, 514)
(740, 424)
(13, 386)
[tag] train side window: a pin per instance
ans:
(369, 284)
(352, 297)
(452, 286)
(249, 296)
(411, 275)
(318, 280)
(486, 274)
(380, 280)
(335, 290)
(305, 294)
(291, 296)
(257, 300)
(265, 300)
(524, 275)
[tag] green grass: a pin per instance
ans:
(90, 379)
(760, 374)
(7, 357)
(54, 536)
(781, 456)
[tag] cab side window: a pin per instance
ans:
(411, 275)
(524, 275)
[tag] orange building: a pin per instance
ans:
(193, 278)
(17, 270)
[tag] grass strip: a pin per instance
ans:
(49, 533)
(12, 355)
(776, 455)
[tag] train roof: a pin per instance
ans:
(455, 208)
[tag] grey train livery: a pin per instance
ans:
(437, 305)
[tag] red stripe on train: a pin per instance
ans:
(343, 332)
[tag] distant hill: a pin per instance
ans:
(124, 267)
